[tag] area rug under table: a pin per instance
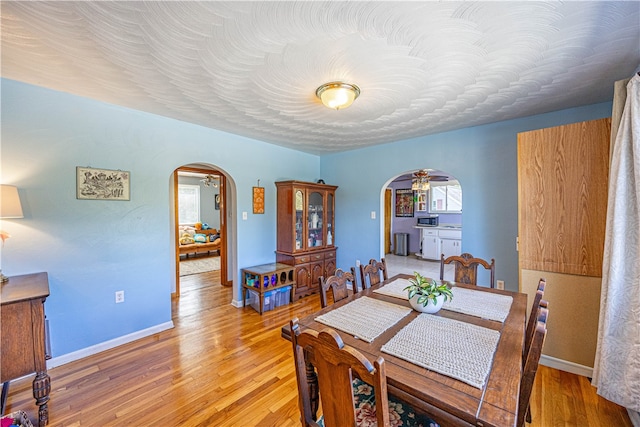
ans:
(200, 265)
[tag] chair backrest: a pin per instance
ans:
(466, 268)
(334, 363)
(375, 272)
(531, 365)
(339, 283)
(533, 316)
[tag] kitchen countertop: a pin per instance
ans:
(441, 226)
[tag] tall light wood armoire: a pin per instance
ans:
(562, 202)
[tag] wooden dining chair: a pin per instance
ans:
(335, 363)
(339, 283)
(531, 367)
(466, 268)
(533, 316)
(373, 273)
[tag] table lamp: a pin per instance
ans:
(10, 207)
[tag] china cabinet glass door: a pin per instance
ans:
(299, 232)
(314, 219)
(329, 220)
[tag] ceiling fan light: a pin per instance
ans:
(420, 185)
(210, 181)
(337, 95)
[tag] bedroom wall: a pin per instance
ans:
(93, 248)
(208, 212)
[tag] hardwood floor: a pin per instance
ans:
(222, 366)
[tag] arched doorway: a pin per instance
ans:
(406, 198)
(200, 224)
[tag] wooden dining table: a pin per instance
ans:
(448, 401)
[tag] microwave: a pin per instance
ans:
(431, 220)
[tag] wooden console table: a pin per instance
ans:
(24, 339)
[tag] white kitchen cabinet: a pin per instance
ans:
(450, 247)
(435, 241)
(430, 243)
(450, 242)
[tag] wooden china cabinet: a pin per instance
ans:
(306, 232)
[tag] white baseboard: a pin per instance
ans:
(236, 303)
(635, 417)
(566, 366)
(107, 345)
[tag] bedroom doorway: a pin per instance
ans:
(200, 226)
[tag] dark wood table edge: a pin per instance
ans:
(503, 418)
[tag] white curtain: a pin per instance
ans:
(616, 372)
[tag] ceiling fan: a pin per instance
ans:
(210, 181)
(420, 179)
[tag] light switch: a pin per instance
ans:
(244, 216)
(373, 214)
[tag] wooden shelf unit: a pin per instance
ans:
(265, 278)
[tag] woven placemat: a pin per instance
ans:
(395, 289)
(365, 318)
(459, 350)
(479, 303)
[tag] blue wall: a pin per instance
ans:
(482, 158)
(93, 248)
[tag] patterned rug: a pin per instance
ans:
(199, 265)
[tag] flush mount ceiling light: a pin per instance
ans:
(337, 95)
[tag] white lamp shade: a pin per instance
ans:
(10, 206)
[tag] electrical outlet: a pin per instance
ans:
(119, 297)
(357, 263)
(500, 284)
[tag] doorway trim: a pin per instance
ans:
(386, 205)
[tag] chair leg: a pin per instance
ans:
(527, 416)
(312, 380)
(3, 401)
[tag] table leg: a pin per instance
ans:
(261, 296)
(41, 391)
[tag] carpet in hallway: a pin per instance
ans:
(199, 265)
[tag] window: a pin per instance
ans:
(188, 204)
(445, 197)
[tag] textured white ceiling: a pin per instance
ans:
(252, 68)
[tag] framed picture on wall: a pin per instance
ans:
(404, 202)
(258, 200)
(102, 184)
